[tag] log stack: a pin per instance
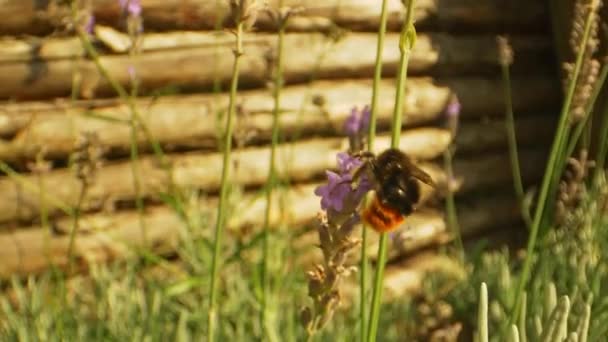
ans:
(182, 69)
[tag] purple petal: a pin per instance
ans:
(365, 118)
(453, 108)
(134, 8)
(90, 24)
(347, 163)
(351, 125)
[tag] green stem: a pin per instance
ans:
(139, 201)
(512, 141)
(221, 209)
(75, 226)
(370, 146)
(450, 204)
(271, 183)
(511, 136)
(548, 176)
(405, 44)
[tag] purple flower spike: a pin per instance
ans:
(89, 26)
(452, 113)
(133, 7)
(132, 73)
(334, 192)
(357, 122)
(347, 163)
(453, 108)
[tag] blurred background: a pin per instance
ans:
(112, 127)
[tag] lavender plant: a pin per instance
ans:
(553, 165)
(340, 199)
(244, 13)
(280, 17)
(86, 161)
(452, 118)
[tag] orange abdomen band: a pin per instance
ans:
(380, 217)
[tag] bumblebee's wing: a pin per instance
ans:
(421, 175)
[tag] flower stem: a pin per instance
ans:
(405, 44)
(271, 183)
(134, 120)
(221, 209)
(511, 136)
(512, 142)
(370, 146)
(75, 226)
(556, 149)
(450, 204)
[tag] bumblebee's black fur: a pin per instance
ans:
(396, 177)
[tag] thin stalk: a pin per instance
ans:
(139, 200)
(370, 146)
(450, 204)
(512, 141)
(548, 176)
(511, 136)
(75, 226)
(44, 218)
(271, 183)
(405, 44)
(134, 121)
(221, 209)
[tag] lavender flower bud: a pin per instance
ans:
(452, 113)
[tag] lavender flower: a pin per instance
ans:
(347, 163)
(452, 112)
(340, 198)
(355, 127)
(333, 194)
(89, 26)
(338, 189)
(132, 73)
(132, 7)
(357, 122)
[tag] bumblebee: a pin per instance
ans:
(397, 190)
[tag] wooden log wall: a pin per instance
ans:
(330, 54)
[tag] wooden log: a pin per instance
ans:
(304, 162)
(180, 122)
(32, 17)
(299, 161)
(210, 60)
(36, 49)
(116, 235)
(406, 277)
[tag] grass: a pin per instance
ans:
(211, 288)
